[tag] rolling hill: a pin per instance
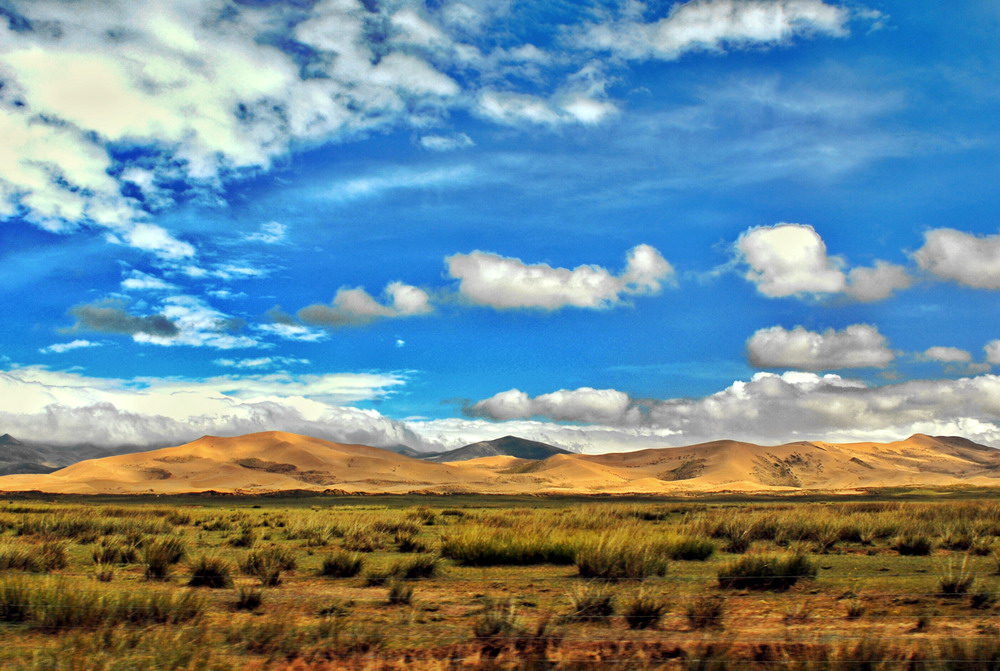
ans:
(507, 446)
(276, 461)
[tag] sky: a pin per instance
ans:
(604, 225)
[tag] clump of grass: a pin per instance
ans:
(591, 602)
(249, 598)
(705, 612)
(855, 609)
(104, 572)
(211, 572)
(982, 599)
(690, 548)
(497, 625)
(400, 594)
(378, 577)
(56, 606)
(913, 545)
(643, 611)
(615, 558)
(485, 547)
(365, 539)
(798, 614)
(246, 538)
(765, 572)
(956, 582)
(42, 558)
(115, 551)
(265, 565)
(424, 566)
(340, 564)
(410, 543)
(159, 555)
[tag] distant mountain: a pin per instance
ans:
(508, 446)
(408, 451)
(32, 457)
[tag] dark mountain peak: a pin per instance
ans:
(508, 446)
(7, 439)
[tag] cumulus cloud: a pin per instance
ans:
(60, 347)
(596, 406)
(356, 307)
(112, 317)
(970, 260)
(771, 408)
(714, 25)
(66, 407)
(857, 346)
(791, 260)
(992, 350)
(503, 282)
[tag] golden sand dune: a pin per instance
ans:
(276, 461)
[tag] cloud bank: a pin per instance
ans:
(857, 346)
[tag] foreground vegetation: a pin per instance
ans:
(442, 583)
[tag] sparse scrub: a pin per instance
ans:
(690, 548)
(475, 547)
(766, 572)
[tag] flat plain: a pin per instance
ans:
(470, 582)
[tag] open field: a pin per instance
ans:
(500, 582)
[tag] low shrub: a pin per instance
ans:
(159, 555)
(956, 582)
(765, 572)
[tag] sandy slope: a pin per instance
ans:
(274, 461)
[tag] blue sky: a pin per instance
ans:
(606, 225)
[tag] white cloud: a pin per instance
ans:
(597, 406)
(771, 408)
(59, 348)
(356, 307)
(876, 283)
(947, 355)
(294, 332)
(66, 407)
(150, 238)
(270, 233)
(789, 260)
(970, 260)
(197, 325)
(261, 362)
(992, 350)
(446, 142)
(140, 281)
(857, 346)
(792, 260)
(503, 282)
(714, 25)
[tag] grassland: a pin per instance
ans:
(307, 583)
